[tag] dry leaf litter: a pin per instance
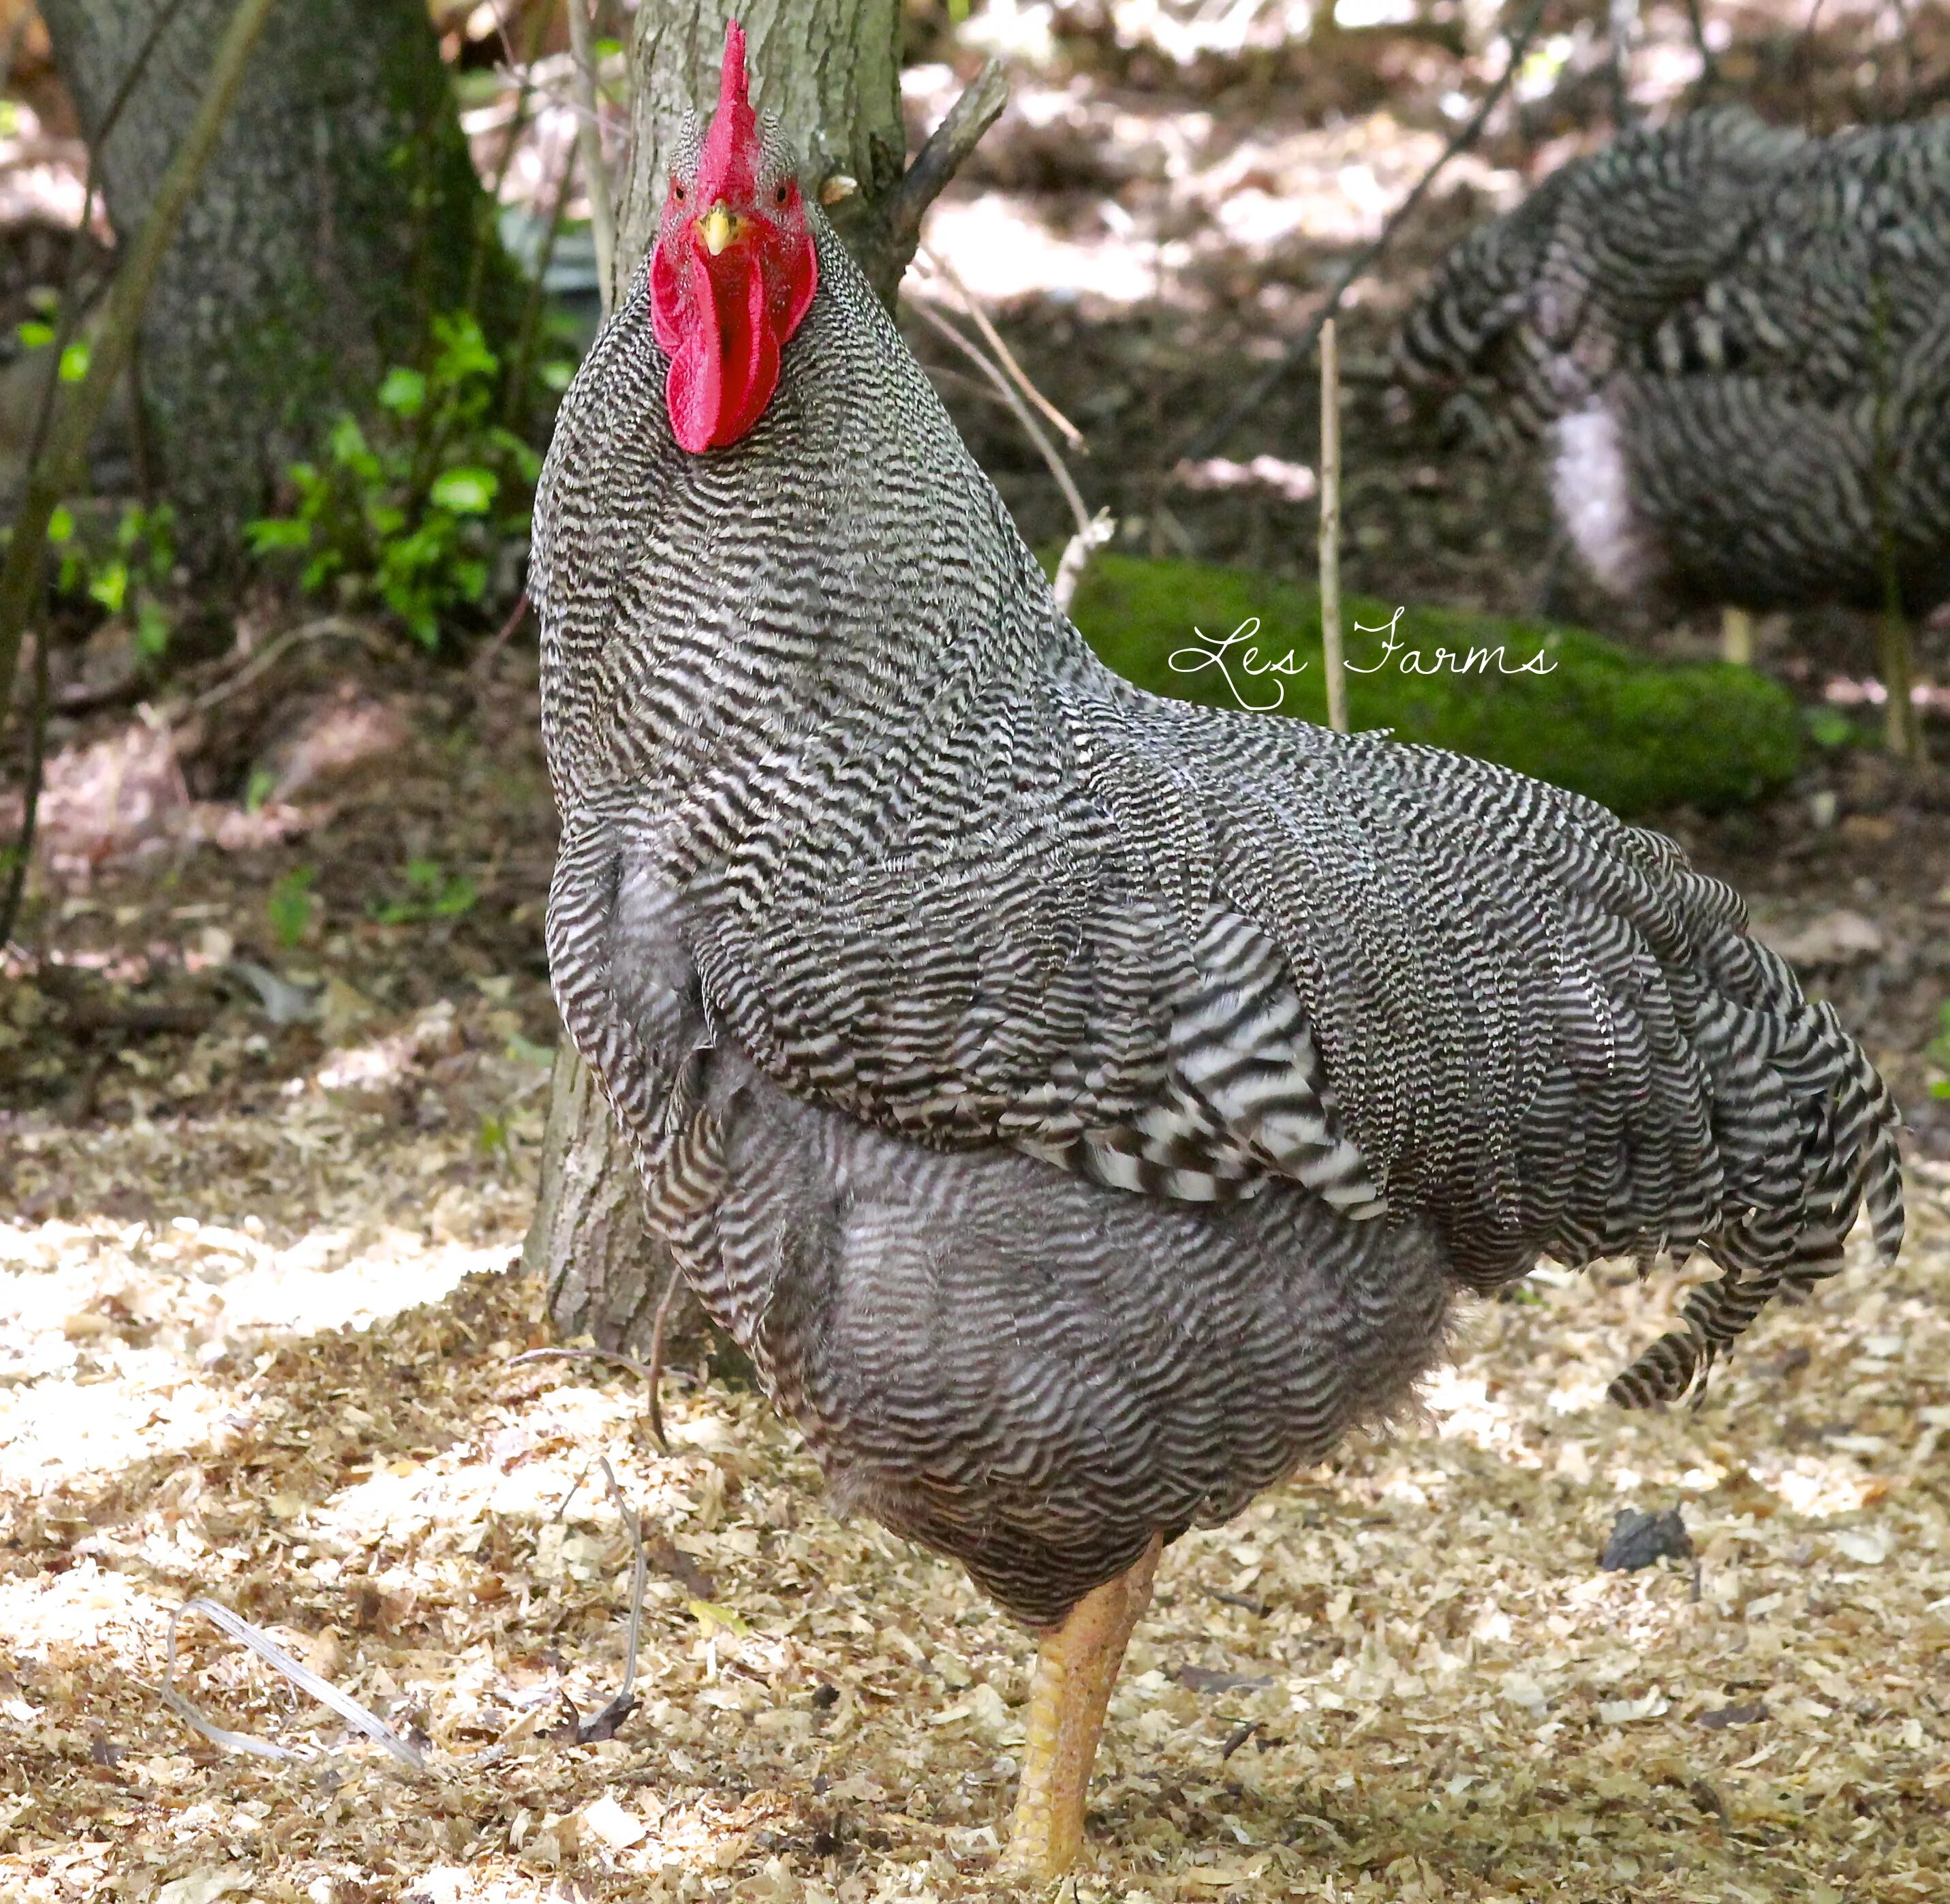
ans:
(263, 1315)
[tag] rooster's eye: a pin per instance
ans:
(677, 190)
(782, 195)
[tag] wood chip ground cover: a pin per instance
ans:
(1421, 1686)
(262, 1309)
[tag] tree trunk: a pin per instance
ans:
(338, 211)
(603, 1274)
(830, 71)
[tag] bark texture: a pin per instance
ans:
(830, 71)
(338, 210)
(603, 1274)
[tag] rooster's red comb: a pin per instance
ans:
(731, 86)
(731, 146)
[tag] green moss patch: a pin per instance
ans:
(1558, 702)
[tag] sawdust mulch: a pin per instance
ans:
(290, 1386)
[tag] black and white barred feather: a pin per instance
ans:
(1082, 1105)
(1736, 339)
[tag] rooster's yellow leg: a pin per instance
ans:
(1076, 1665)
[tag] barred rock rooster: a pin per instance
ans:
(1081, 1106)
(1736, 340)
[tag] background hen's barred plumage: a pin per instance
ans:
(878, 894)
(1736, 339)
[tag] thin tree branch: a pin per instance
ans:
(947, 146)
(589, 141)
(1333, 662)
(54, 469)
(1204, 441)
(37, 743)
(993, 338)
(883, 240)
(1033, 430)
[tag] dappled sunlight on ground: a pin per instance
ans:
(1399, 1677)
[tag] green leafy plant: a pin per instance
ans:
(1938, 1051)
(1829, 728)
(291, 906)
(431, 893)
(125, 564)
(410, 514)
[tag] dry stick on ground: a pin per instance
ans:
(268, 1650)
(589, 140)
(603, 1724)
(56, 469)
(1332, 659)
(1204, 441)
(326, 628)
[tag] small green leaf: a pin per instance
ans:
(1829, 727)
(290, 906)
(558, 373)
(457, 897)
(111, 587)
(60, 524)
(468, 491)
(708, 1614)
(259, 790)
(347, 444)
(404, 392)
(152, 631)
(33, 336)
(269, 533)
(74, 362)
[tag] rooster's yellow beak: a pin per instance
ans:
(718, 227)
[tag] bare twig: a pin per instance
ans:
(629, 1362)
(589, 141)
(54, 468)
(326, 627)
(1031, 428)
(655, 1373)
(1204, 440)
(1076, 554)
(603, 1724)
(514, 398)
(651, 1371)
(66, 317)
(947, 146)
(1622, 30)
(482, 662)
(1239, 1737)
(1737, 637)
(1709, 81)
(268, 1650)
(30, 802)
(993, 338)
(1333, 661)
